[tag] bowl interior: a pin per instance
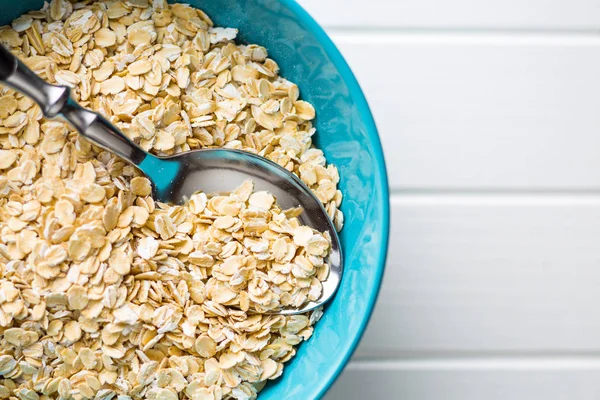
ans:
(347, 134)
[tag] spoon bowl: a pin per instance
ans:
(176, 178)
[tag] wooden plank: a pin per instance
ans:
(483, 112)
(467, 381)
(489, 275)
(457, 14)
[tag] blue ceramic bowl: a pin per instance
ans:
(346, 132)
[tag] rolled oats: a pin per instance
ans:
(105, 293)
(105, 37)
(7, 158)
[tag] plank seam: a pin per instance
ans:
(441, 30)
(494, 198)
(497, 363)
(458, 37)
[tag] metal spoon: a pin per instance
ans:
(175, 178)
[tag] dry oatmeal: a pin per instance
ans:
(105, 293)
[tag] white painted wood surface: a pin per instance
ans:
(489, 274)
(483, 111)
(562, 379)
(489, 115)
(457, 14)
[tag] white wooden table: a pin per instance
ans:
(489, 112)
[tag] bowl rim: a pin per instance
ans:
(380, 170)
(366, 115)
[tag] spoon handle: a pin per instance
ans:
(56, 101)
